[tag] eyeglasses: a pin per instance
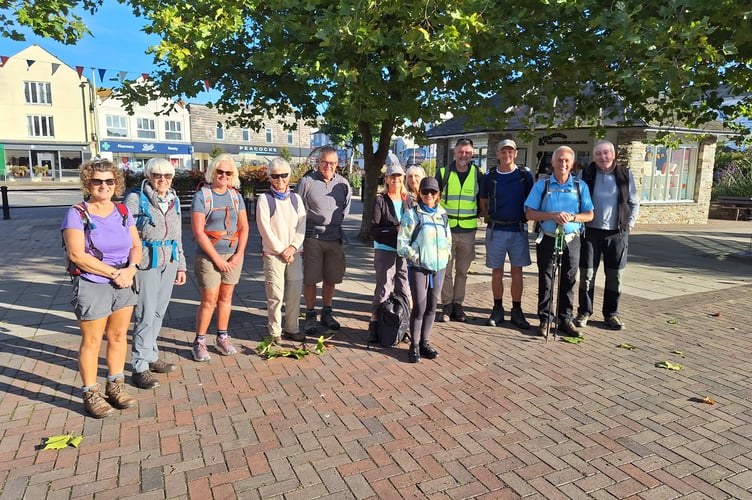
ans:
(228, 173)
(327, 163)
(162, 176)
(279, 176)
(429, 191)
(99, 182)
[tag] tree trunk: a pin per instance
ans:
(373, 161)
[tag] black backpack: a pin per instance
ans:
(393, 320)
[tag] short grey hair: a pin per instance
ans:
(279, 165)
(158, 166)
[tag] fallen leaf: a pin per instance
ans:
(679, 353)
(60, 442)
(715, 314)
(673, 322)
(708, 400)
(669, 365)
(627, 346)
(572, 340)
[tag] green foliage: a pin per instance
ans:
(53, 19)
(732, 175)
(270, 350)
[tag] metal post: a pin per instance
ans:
(6, 206)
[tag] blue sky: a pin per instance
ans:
(116, 44)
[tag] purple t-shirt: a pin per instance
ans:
(108, 235)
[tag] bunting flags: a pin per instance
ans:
(55, 67)
(3, 60)
(122, 75)
(29, 62)
(101, 74)
(206, 85)
(145, 76)
(79, 70)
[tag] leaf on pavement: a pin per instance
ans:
(673, 322)
(60, 442)
(629, 347)
(669, 365)
(572, 340)
(716, 314)
(680, 353)
(708, 400)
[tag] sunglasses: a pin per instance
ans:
(228, 173)
(99, 182)
(279, 176)
(429, 191)
(162, 176)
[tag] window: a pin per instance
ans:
(117, 126)
(290, 137)
(269, 136)
(145, 128)
(173, 130)
(246, 135)
(220, 132)
(669, 173)
(37, 93)
(40, 126)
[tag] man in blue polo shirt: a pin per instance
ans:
(560, 200)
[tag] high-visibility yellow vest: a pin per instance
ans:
(461, 200)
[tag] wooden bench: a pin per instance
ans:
(738, 204)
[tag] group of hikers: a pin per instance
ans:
(125, 258)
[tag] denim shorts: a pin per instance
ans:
(99, 300)
(501, 243)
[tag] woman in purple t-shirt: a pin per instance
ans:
(103, 247)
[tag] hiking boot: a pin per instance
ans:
(581, 320)
(327, 320)
(118, 396)
(309, 324)
(518, 319)
(224, 346)
(276, 338)
(95, 404)
(445, 313)
(497, 316)
(161, 366)
(427, 351)
(297, 337)
(458, 314)
(200, 352)
(413, 355)
(568, 329)
(144, 380)
(543, 328)
(615, 323)
(373, 334)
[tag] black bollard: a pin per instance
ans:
(6, 206)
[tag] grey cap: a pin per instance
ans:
(506, 143)
(394, 169)
(429, 183)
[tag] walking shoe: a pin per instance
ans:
(373, 334)
(224, 346)
(95, 404)
(518, 319)
(118, 396)
(497, 316)
(297, 337)
(327, 320)
(200, 352)
(276, 338)
(615, 323)
(568, 329)
(413, 355)
(309, 324)
(543, 328)
(458, 314)
(581, 320)
(161, 366)
(144, 380)
(427, 351)
(443, 315)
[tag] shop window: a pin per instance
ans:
(173, 130)
(246, 134)
(669, 173)
(38, 93)
(269, 136)
(290, 137)
(220, 132)
(40, 126)
(117, 126)
(145, 128)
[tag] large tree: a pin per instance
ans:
(393, 66)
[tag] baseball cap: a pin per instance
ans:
(429, 183)
(506, 143)
(394, 170)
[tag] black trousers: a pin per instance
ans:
(611, 247)
(567, 277)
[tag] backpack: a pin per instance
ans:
(273, 202)
(393, 320)
(419, 225)
(526, 184)
(215, 236)
(144, 211)
(83, 212)
(547, 193)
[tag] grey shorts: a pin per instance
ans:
(501, 243)
(99, 300)
(323, 261)
(208, 276)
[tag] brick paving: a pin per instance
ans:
(500, 414)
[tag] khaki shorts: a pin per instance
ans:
(208, 276)
(323, 261)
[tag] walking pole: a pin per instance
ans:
(558, 251)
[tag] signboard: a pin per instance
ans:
(145, 147)
(2, 161)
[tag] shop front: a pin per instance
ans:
(44, 162)
(133, 156)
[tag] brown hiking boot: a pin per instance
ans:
(118, 395)
(95, 404)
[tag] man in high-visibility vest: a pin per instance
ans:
(460, 186)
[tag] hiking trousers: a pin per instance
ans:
(154, 287)
(610, 246)
(567, 277)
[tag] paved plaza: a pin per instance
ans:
(500, 414)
